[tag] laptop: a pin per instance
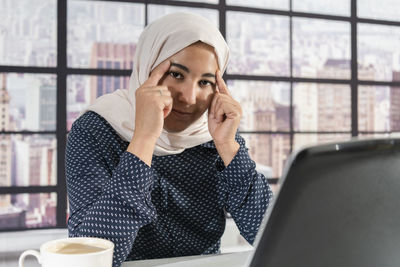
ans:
(338, 205)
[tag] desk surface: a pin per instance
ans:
(158, 262)
(230, 259)
(237, 259)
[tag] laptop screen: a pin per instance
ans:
(339, 205)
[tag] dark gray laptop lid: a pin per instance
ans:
(338, 206)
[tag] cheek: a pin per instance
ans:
(170, 84)
(204, 99)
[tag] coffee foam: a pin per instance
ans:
(77, 247)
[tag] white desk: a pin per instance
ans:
(237, 259)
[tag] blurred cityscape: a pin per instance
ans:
(104, 35)
(28, 33)
(27, 160)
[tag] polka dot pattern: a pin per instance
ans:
(175, 208)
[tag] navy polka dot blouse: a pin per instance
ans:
(176, 207)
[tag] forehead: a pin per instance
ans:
(197, 57)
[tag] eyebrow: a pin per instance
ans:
(186, 69)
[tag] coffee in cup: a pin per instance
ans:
(75, 251)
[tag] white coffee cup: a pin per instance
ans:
(51, 254)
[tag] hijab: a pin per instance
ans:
(160, 40)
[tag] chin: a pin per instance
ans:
(175, 129)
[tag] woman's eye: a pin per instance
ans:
(176, 75)
(205, 83)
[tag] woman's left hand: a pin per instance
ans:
(224, 117)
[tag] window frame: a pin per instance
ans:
(62, 71)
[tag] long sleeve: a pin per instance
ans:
(104, 202)
(247, 192)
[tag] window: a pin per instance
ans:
(378, 9)
(321, 48)
(262, 50)
(29, 102)
(157, 11)
(265, 105)
(270, 4)
(102, 31)
(28, 33)
(329, 7)
(378, 61)
(28, 134)
(304, 72)
(321, 107)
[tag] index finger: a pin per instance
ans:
(223, 89)
(157, 73)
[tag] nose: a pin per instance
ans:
(187, 93)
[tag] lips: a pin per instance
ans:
(181, 114)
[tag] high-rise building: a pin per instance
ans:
(266, 113)
(367, 100)
(269, 150)
(5, 142)
(48, 210)
(110, 56)
(4, 104)
(333, 101)
(335, 69)
(327, 107)
(334, 108)
(395, 104)
(44, 212)
(48, 168)
(35, 164)
(47, 107)
(41, 105)
(12, 217)
(35, 161)
(305, 108)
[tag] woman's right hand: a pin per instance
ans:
(153, 104)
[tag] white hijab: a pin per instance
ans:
(160, 40)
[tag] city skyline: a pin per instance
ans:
(27, 160)
(321, 49)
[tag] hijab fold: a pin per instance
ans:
(160, 40)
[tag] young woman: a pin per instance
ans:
(153, 168)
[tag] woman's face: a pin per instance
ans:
(191, 81)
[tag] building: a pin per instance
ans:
(49, 209)
(12, 218)
(47, 107)
(35, 160)
(263, 112)
(305, 112)
(44, 213)
(4, 105)
(5, 142)
(269, 150)
(35, 164)
(367, 100)
(40, 105)
(333, 101)
(395, 104)
(110, 56)
(327, 107)
(48, 162)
